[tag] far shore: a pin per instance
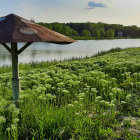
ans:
(93, 38)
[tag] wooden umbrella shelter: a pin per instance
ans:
(14, 29)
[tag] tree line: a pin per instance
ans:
(96, 30)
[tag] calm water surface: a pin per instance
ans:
(38, 52)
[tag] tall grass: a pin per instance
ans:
(75, 99)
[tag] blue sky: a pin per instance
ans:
(124, 12)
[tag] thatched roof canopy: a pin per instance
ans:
(17, 29)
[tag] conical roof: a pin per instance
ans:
(17, 29)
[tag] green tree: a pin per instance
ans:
(85, 33)
(93, 29)
(97, 34)
(102, 32)
(74, 32)
(132, 31)
(110, 33)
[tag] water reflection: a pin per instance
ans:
(38, 52)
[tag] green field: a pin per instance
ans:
(79, 99)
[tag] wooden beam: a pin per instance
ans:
(15, 74)
(6, 47)
(24, 47)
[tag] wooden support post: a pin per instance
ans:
(15, 74)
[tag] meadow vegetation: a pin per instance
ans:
(79, 99)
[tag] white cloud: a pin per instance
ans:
(117, 11)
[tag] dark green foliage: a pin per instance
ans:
(109, 33)
(85, 33)
(93, 30)
(61, 28)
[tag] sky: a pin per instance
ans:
(124, 12)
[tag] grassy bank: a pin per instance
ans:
(91, 98)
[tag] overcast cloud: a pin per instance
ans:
(124, 12)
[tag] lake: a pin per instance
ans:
(38, 52)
